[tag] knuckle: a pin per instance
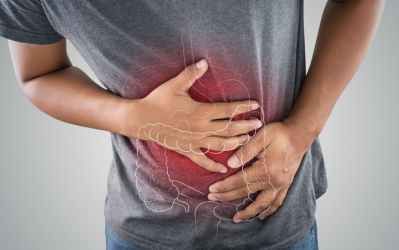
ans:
(264, 205)
(189, 71)
(248, 126)
(230, 130)
(278, 180)
(198, 112)
(272, 171)
(245, 152)
(261, 139)
(261, 207)
(229, 110)
(242, 192)
(264, 177)
(238, 182)
(201, 110)
(186, 73)
(220, 146)
(260, 185)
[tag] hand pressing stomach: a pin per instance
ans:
(186, 138)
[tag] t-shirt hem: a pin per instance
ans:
(320, 193)
(146, 244)
(29, 37)
(138, 242)
(293, 240)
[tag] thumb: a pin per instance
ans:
(190, 74)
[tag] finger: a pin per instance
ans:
(188, 145)
(203, 161)
(225, 110)
(249, 150)
(233, 128)
(278, 201)
(190, 74)
(183, 133)
(223, 144)
(236, 193)
(261, 203)
(211, 143)
(185, 147)
(249, 175)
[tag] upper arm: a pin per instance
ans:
(31, 61)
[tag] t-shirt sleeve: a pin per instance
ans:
(25, 21)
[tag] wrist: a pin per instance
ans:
(311, 125)
(128, 117)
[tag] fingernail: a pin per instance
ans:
(237, 220)
(256, 123)
(200, 64)
(255, 106)
(233, 161)
(212, 198)
(213, 188)
(223, 171)
(259, 124)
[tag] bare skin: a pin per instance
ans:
(345, 35)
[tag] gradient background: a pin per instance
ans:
(53, 175)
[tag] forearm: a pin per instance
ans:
(69, 95)
(345, 35)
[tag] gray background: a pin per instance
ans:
(53, 175)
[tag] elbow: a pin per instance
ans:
(23, 82)
(24, 79)
(37, 88)
(31, 89)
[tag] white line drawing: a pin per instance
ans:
(159, 201)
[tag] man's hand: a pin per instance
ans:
(279, 148)
(345, 34)
(169, 117)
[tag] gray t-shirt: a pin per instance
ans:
(156, 198)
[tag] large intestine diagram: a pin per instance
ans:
(168, 182)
